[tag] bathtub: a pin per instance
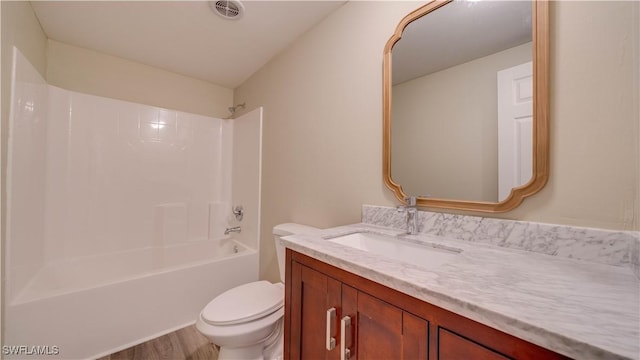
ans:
(89, 307)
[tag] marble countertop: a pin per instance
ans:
(581, 309)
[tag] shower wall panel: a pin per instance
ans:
(126, 176)
(247, 175)
(26, 177)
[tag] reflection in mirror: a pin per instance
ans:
(445, 104)
(459, 104)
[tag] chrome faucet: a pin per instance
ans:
(235, 229)
(412, 214)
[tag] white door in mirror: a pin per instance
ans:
(515, 128)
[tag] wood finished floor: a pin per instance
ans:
(183, 344)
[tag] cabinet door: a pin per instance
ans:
(379, 329)
(386, 332)
(415, 337)
(312, 294)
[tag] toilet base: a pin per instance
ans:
(242, 353)
(274, 346)
(269, 349)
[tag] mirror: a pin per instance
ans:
(466, 104)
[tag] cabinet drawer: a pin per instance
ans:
(454, 347)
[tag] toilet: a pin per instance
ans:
(246, 321)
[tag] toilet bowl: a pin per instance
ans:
(246, 321)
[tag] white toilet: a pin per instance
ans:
(246, 321)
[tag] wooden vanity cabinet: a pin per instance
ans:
(384, 323)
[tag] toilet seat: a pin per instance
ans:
(244, 303)
(236, 335)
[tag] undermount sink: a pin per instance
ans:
(424, 255)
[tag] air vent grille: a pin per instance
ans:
(231, 9)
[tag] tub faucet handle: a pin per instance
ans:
(238, 212)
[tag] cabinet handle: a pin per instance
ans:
(331, 324)
(345, 338)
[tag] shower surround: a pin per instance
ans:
(116, 217)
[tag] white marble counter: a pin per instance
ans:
(583, 310)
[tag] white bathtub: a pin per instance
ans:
(93, 306)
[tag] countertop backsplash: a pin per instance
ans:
(617, 248)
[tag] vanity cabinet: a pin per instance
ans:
(367, 320)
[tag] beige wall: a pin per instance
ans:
(594, 148)
(323, 120)
(96, 73)
(322, 132)
(20, 28)
(454, 112)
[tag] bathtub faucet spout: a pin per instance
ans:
(235, 229)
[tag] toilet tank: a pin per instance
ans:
(285, 230)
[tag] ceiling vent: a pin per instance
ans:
(230, 9)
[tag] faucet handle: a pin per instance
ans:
(411, 200)
(411, 203)
(238, 212)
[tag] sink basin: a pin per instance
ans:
(424, 255)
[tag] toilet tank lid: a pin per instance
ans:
(292, 228)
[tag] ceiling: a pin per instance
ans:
(184, 37)
(459, 32)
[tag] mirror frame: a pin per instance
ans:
(540, 56)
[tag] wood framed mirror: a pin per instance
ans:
(466, 104)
